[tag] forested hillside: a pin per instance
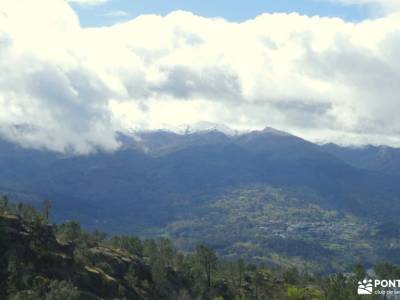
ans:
(268, 196)
(44, 261)
(295, 228)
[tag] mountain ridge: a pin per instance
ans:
(146, 190)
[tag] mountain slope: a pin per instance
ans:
(158, 179)
(150, 188)
(378, 158)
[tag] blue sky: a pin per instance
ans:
(237, 10)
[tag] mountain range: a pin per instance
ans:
(161, 182)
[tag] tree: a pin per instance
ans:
(62, 290)
(336, 287)
(19, 209)
(258, 281)
(132, 245)
(241, 266)
(4, 202)
(291, 275)
(208, 261)
(295, 293)
(46, 209)
(386, 270)
(166, 251)
(69, 232)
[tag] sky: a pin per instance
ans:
(73, 73)
(108, 12)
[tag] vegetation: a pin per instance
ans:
(43, 261)
(276, 227)
(270, 198)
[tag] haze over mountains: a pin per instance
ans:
(161, 182)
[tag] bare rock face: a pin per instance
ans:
(111, 274)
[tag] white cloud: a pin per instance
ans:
(386, 5)
(117, 14)
(67, 87)
(89, 2)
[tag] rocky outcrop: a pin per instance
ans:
(112, 274)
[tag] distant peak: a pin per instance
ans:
(204, 127)
(273, 131)
(207, 127)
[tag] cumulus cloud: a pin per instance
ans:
(385, 5)
(65, 87)
(89, 2)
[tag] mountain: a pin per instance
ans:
(161, 182)
(377, 158)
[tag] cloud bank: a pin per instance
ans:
(89, 2)
(68, 88)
